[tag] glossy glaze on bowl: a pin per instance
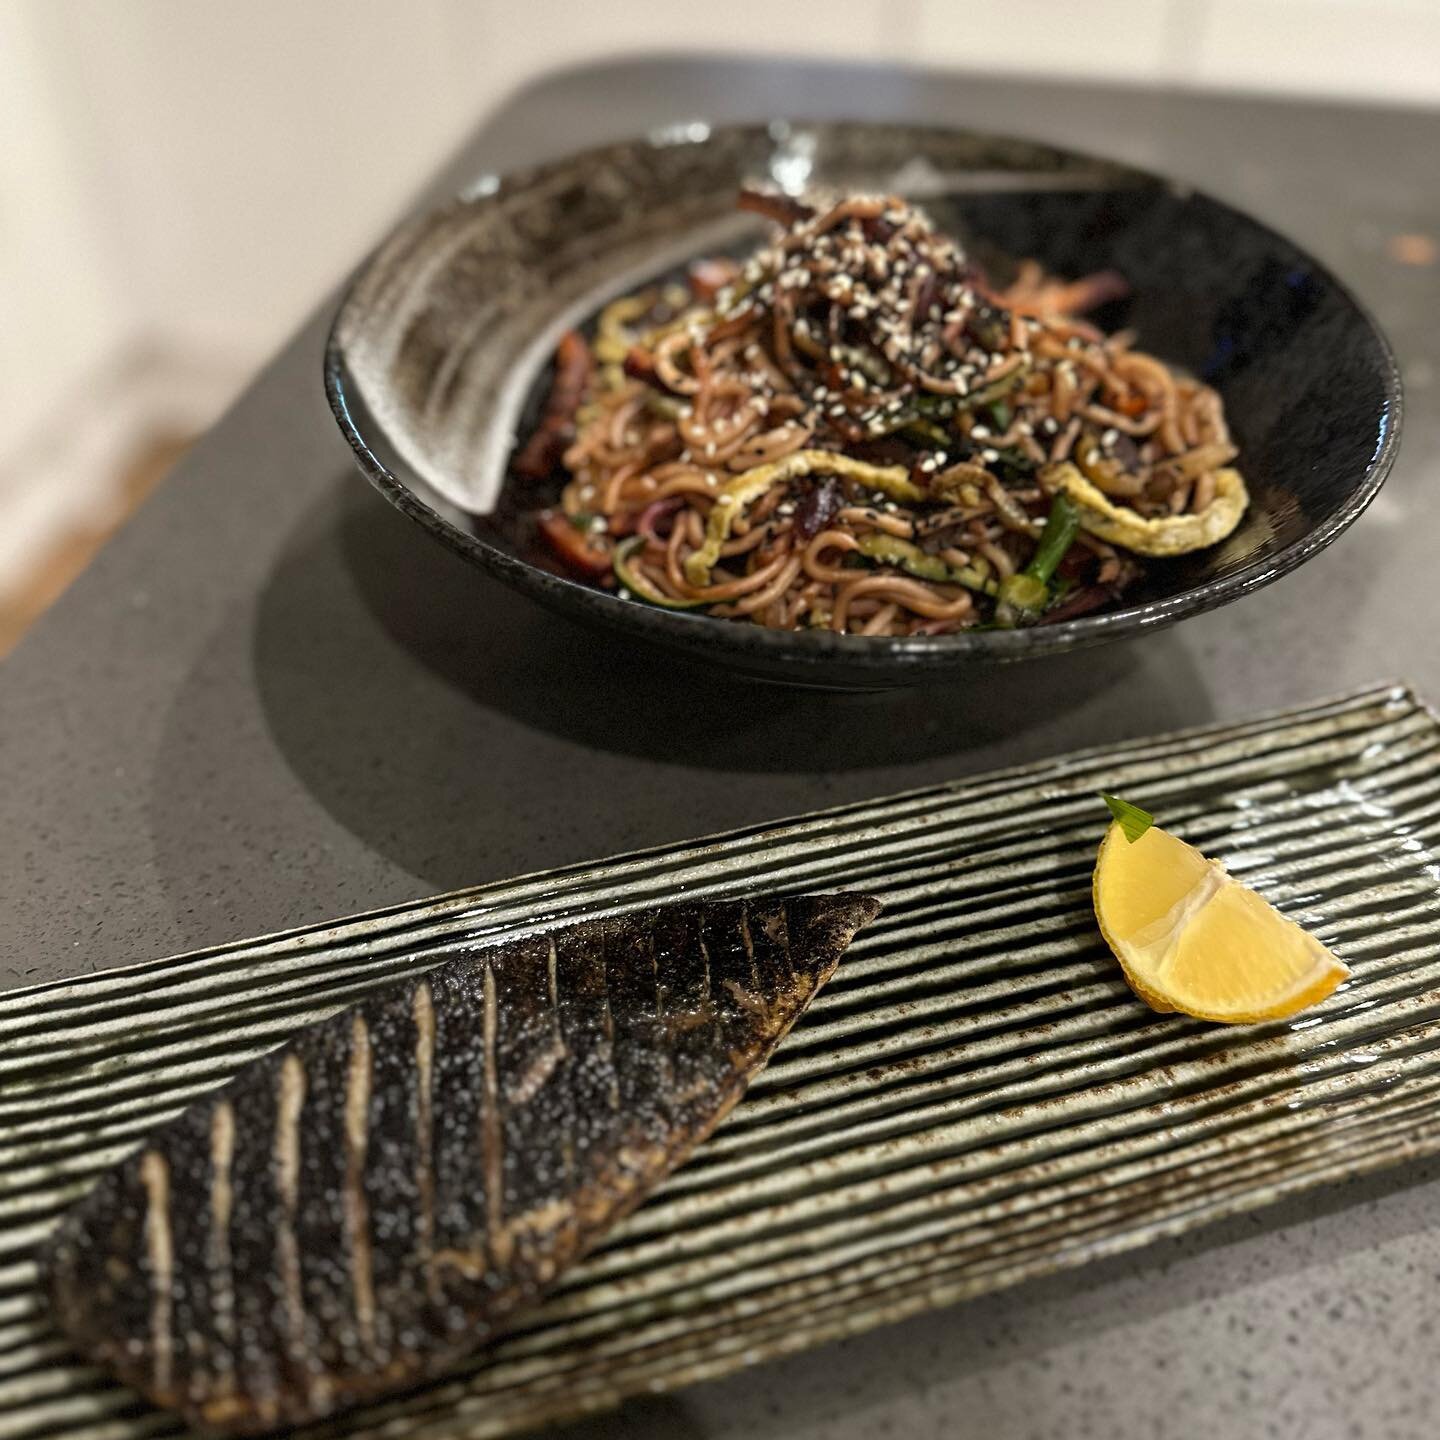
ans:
(447, 332)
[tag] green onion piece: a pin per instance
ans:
(1062, 525)
(1131, 819)
(1001, 415)
(1023, 596)
(582, 521)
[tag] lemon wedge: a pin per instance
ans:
(1157, 535)
(1192, 938)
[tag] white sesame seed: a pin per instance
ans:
(989, 456)
(980, 432)
(1110, 437)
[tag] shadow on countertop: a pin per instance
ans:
(609, 692)
(468, 734)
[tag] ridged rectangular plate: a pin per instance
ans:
(975, 1098)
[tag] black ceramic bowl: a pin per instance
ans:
(443, 342)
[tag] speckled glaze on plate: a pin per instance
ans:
(448, 329)
(975, 1098)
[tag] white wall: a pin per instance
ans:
(63, 305)
(242, 154)
(231, 158)
(191, 176)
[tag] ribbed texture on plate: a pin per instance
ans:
(975, 1098)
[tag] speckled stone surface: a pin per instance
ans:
(273, 700)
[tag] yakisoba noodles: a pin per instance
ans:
(853, 430)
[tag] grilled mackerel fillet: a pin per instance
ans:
(364, 1206)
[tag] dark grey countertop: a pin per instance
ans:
(273, 700)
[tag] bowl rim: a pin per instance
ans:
(821, 648)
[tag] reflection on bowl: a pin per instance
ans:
(445, 337)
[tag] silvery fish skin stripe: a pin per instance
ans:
(975, 1098)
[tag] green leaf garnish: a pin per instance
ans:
(1131, 818)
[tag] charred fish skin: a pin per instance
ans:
(362, 1208)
